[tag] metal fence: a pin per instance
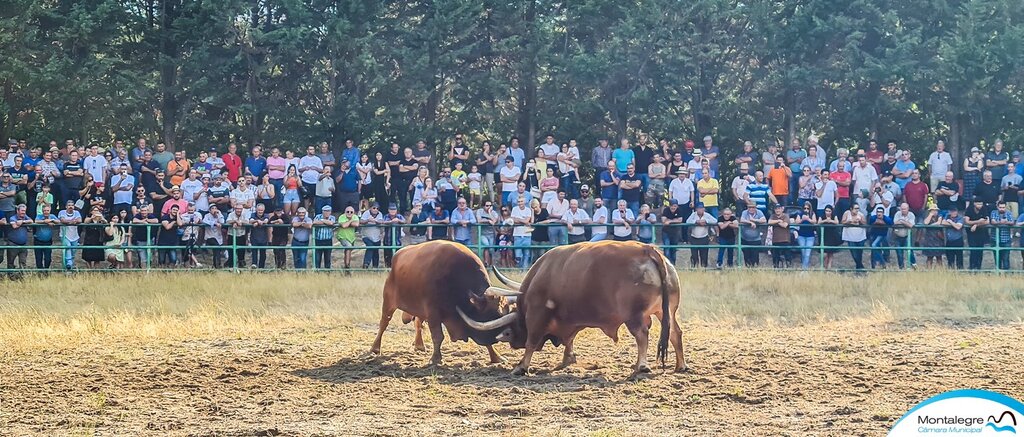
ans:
(237, 254)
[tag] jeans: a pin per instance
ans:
(903, 242)
(858, 253)
(670, 238)
(699, 255)
(236, 254)
(878, 255)
(300, 253)
(69, 252)
(557, 235)
(522, 245)
(713, 210)
(259, 257)
(634, 206)
(977, 255)
(371, 257)
(805, 243)
(955, 253)
(278, 192)
(724, 252)
(751, 253)
(167, 256)
(599, 237)
(322, 253)
(44, 257)
(568, 183)
(780, 252)
(320, 202)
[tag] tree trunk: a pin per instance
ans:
(169, 104)
(526, 91)
(790, 114)
(955, 144)
(8, 121)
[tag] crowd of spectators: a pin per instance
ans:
(144, 206)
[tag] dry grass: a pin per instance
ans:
(61, 310)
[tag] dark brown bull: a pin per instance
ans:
(434, 282)
(595, 285)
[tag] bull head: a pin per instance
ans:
(487, 326)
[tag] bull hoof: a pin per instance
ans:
(419, 348)
(682, 369)
(498, 360)
(519, 371)
(643, 369)
(565, 363)
(375, 351)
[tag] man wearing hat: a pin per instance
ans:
(586, 200)
(683, 191)
(672, 218)
(954, 224)
(976, 222)
(1001, 219)
(694, 165)
(323, 237)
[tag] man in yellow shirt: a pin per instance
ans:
(708, 188)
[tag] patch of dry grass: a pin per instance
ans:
(47, 312)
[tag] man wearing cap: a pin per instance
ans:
(369, 226)
(954, 224)
(462, 221)
(1001, 220)
(586, 201)
(739, 186)
(976, 220)
(695, 164)
(688, 149)
(672, 219)
(216, 163)
(302, 230)
(939, 162)
(121, 186)
(710, 153)
(323, 237)
(393, 232)
(683, 191)
(175, 199)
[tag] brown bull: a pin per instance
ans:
(596, 285)
(434, 282)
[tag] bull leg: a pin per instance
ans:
(386, 312)
(640, 330)
(533, 342)
(436, 336)
(569, 356)
(418, 342)
(495, 358)
(676, 337)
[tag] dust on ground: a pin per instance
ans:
(854, 377)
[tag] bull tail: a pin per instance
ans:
(666, 316)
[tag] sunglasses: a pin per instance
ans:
(488, 204)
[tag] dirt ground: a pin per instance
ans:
(830, 378)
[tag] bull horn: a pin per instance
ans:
(503, 291)
(487, 326)
(504, 279)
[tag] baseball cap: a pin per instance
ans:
(509, 159)
(392, 206)
(326, 208)
(707, 138)
(975, 149)
(673, 202)
(682, 170)
(1016, 153)
(584, 187)
(205, 176)
(375, 205)
(212, 149)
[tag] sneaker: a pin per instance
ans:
(252, 266)
(199, 265)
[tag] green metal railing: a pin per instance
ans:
(683, 249)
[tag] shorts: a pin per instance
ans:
(347, 243)
(291, 196)
(486, 240)
(475, 191)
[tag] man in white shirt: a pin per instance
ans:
(700, 235)
(242, 197)
(902, 221)
(825, 192)
(623, 220)
(576, 219)
(556, 209)
(864, 179)
(939, 162)
(522, 217)
(309, 169)
(599, 233)
(509, 175)
(95, 164)
(190, 186)
(681, 189)
(739, 186)
(550, 150)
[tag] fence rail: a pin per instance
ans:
(149, 255)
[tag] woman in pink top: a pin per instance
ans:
(548, 187)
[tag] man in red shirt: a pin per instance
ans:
(842, 179)
(875, 156)
(916, 194)
(232, 163)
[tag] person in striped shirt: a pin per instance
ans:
(758, 193)
(323, 237)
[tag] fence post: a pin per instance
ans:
(739, 249)
(234, 253)
(149, 246)
(998, 266)
(909, 242)
(821, 247)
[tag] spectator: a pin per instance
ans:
(418, 234)
(45, 198)
(939, 162)
(256, 164)
(486, 163)
(932, 237)
(727, 226)
(323, 238)
(69, 218)
(854, 234)
(539, 236)
(976, 219)
(423, 155)
(609, 183)
(347, 183)
(806, 193)
(238, 224)
(517, 154)
(380, 179)
(708, 188)
(161, 156)
(630, 188)
(758, 193)
(42, 236)
(522, 217)
(74, 177)
(259, 235)
(347, 224)
(806, 238)
(116, 251)
(191, 222)
(277, 168)
(217, 166)
(751, 221)
(1011, 186)
(585, 200)
(440, 219)
(701, 224)
(672, 219)
(973, 166)
(903, 169)
(351, 153)
(779, 178)
(232, 163)
(865, 177)
(325, 187)
(408, 169)
(144, 233)
(279, 223)
(369, 223)
(710, 153)
(947, 194)
(884, 199)
(556, 208)
(954, 224)
(487, 218)
(814, 162)
(830, 234)
(302, 227)
(916, 194)
(576, 220)
(902, 221)
(781, 237)
(568, 165)
(623, 219)
(645, 224)
(462, 218)
(1001, 219)
(874, 156)
(623, 156)
(987, 191)
(843, 179)
(843, 160)
(600, 156)
(880, 224)
(739, 186)
(168, 237)
(178, 168)
(392, 233)
(748, 156)
(683, 191)
(548, 187)
(290, 201)
(695, 165)
(794, 159)
(311, 169)
(121, 185)
(364, 173)
(768, 158)
(95, 164)
(509, 175)
(825, 191)
(676, 164)
(996, 160)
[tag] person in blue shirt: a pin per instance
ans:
(462, 219)
(351, 153)
(609, 181)
(516, 152)
(879, 225)
(256, 164)
(440, 219)
(43, 234)
(17, 237)
(623, 156)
